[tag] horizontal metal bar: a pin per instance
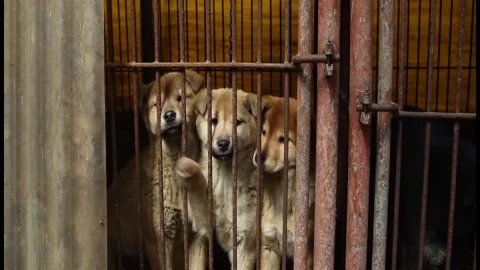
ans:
(373, 107)
(208, 66)
(314, 58)
(437, 115)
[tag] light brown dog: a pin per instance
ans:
(123, 195)
(273, 166)
(193, 175)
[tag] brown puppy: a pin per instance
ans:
(193, 175)
(273, 165)
(124, 191)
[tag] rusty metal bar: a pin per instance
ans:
(286, 95)
(211, 216)
(258, 229)
(136, 127)
(304, 96)
(382, 168)
(157, 39)
(314, 58)
(398, 159)
(181, 21)
(208, 66)
(456, 131)
(326, 139)
(359, 136)
(437, 115)
(233, 29)
(431, 51)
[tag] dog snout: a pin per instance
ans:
(263, 156)
(223, 145)
(169, 116)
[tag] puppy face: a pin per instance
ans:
(273, 134)
(171, 116)
(222, 121)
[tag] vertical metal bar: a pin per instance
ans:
(128, 60)
(398, 159)
(431, 51)
(472, 24)
(209, 134)
(136, 125)
(233, 15)
(304, 85)
(359, 136)
(214, 42)
(326, 139)
(161, 239)
(122, 88)
(475, 253)
(456, 129)
(181, 16)
(259, 135)
(382, 176)
(417, 69)
(270, 21)
(449, 55)
(286, 94)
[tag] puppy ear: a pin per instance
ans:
(143, 92)
(251, 103)
(266, 104)
(194, 79)
(200, 102)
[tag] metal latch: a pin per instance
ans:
(364, 98)
(329, 54)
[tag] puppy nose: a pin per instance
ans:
(262, 156)
(169, 116)
(223, 145)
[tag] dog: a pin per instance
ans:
(124, 191)
(192, 174)
(272, 157)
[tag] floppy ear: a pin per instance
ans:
(194, 79)
(251, 103)
(143, 93)
(266, 104)
(201, 101)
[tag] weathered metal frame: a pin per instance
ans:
(54, 159)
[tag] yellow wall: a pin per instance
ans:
(273, 40)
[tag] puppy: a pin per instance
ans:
(192, 174)
(272, 157)
(124, 191)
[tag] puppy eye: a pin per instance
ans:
(239, 122)
(214, 121)
(179, 98)
(264, 132)
(281, 140)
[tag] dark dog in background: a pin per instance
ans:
(438, 199)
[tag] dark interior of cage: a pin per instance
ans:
(121, 149)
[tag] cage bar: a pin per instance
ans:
(398, 159)
(286, 95)
(181, 16)
(258, 229)
(359, 136)
(431, 51)
(233, 12)
(456, 131)
(211, 217)
(161, 239)
(136, 127)
(382, 168)
(326, 139)
(304, 96)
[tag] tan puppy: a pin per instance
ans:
(124, 191)
(194, 174)
(272, 156)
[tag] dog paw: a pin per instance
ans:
(186, 169)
